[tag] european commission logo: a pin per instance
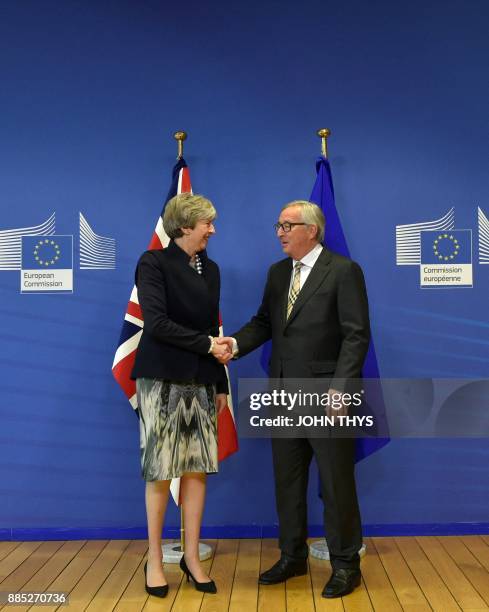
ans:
(47, 264)
(442, 253)
(45, 259)
(446, 258)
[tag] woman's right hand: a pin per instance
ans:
(222, 349)
(221, 401)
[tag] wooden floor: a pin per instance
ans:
(414, 574)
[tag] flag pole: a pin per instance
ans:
(324, 133)
(319, 548)
(172, 553)
(180, 137)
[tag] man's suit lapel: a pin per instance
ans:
(316, 277)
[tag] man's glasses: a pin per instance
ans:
(286, 227)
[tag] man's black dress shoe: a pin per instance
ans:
(283, 569)
(342, 582)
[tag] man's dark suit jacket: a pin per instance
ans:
(328, 331)
(181, 310)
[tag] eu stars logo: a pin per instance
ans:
(446, 258)
(446, 247)
(47, 264)
(47, 252)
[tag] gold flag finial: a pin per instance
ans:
(323, 133)
(180, 137)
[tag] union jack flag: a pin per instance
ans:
(132, 329)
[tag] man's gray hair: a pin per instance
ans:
(184, 210)
(311, 214)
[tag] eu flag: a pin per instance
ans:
(323, 195)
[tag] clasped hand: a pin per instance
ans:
(222, 349)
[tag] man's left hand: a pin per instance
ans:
(336, 407)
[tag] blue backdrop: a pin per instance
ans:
(91, 94)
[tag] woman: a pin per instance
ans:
(180, 384)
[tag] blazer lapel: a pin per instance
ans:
(316, 277)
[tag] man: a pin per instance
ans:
(315, 311)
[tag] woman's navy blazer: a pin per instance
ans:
(180, 310)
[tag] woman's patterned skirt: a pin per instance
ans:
(178, 428)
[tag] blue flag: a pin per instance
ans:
(323, 195)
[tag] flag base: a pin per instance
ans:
(319, 550)
(172, 553)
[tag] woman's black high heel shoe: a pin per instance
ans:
(204, 587)
(157, 591)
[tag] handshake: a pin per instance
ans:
(222, 349)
